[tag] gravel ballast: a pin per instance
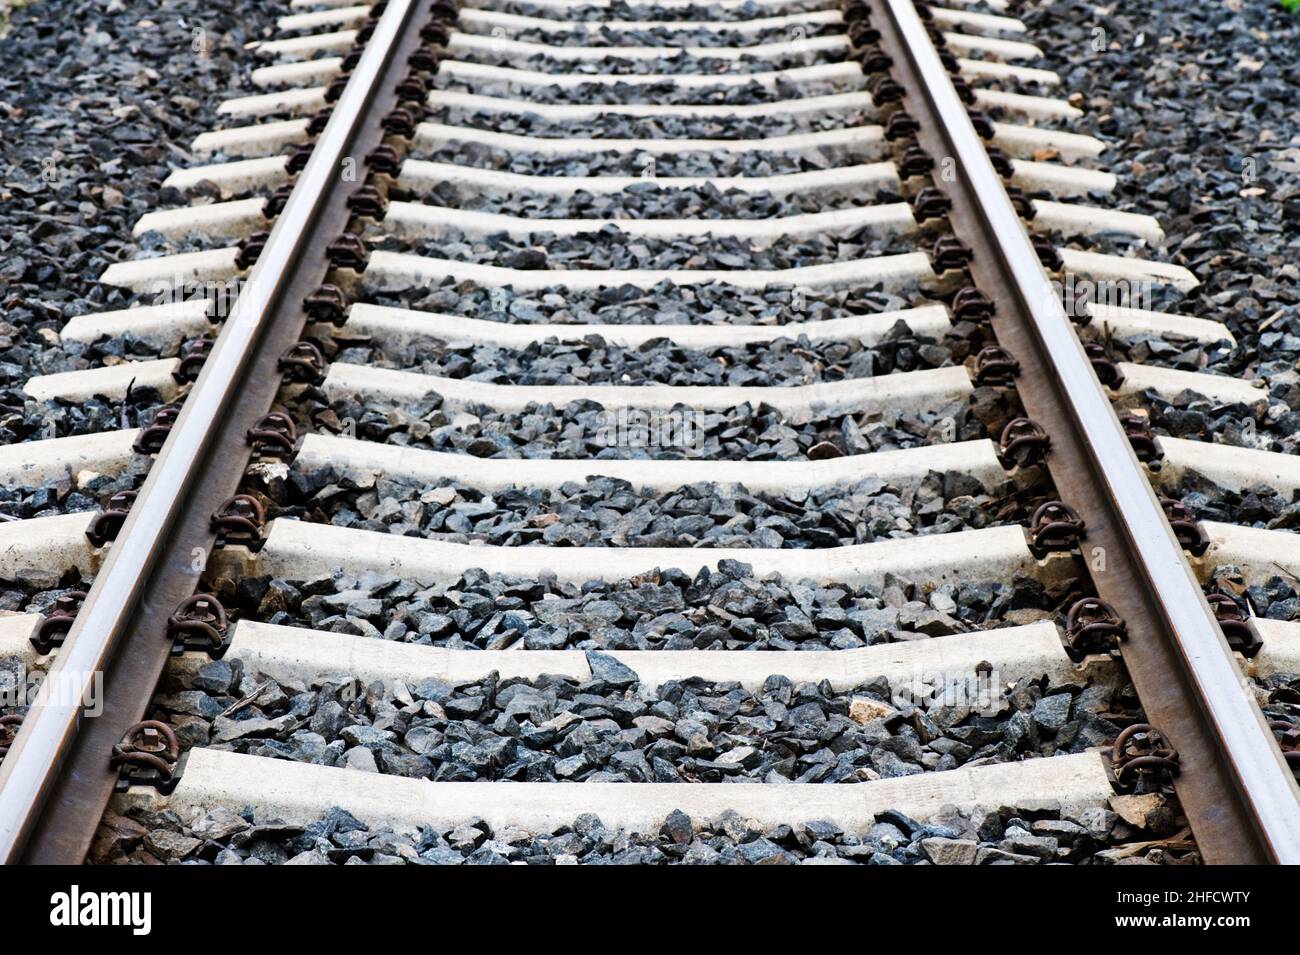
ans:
(1197, 110)
(98, 103)
(1007, 836)
(723, 608)
(614, 729)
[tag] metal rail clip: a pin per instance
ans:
(1055, 526)
(274, 436)
(1286, 732)
(863, 33)
(994, 365)
(886, 90)
(1189, 533)
(1000, 160)
(298, 156)
(1235, 625)
(240, 520)
(1108, 372)
(9, 725)
(1024, 442)
(1137, 427)
(1093, 626)
(147, 756)
(328, 303)
(348, 251)
(151, 439)
(971, 305)
(53, 630)
(1142, 757)
(931, 203)
(105, 525)
(250, 249)
(303, 363)
(949, 252)
(193, 354)
(199, 623)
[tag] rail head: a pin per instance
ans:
(1265, 788)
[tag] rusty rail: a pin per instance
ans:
(1242, 803)
(58, 775)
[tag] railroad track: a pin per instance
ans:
(588, 361)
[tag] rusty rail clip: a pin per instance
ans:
(151, 439)
(980, 120)
(400, 122)
(435, 33)
(424, 59)
(1286, 732)
(863, 33)
(1055, 526)
(444, 11)
(1024, 442)
(1141, 753)
(1189, 533)
(1235, 625)
(9, 725)
(949, 252)
(274, 436)
(328, 303)
(931, 203)
(53, 630)
(887, 90)
(368, 202)
(298, 156)
(994, 365)
(105, 525)
(900, 125)
(1093, 626)
(1108, 372)
(1001, 162)
(1020, 199)
(1137, 427)
(198, 623)
(303, 363)
(193, 354)
(352, 59)
(337, 86)
(915, 161)
(239, 520)
(250, 248)
(348, 251)
(1046, 251)
(384, 161)
(855, 11)
(971, 305)
(275, 203)
(412, 89)
(147, 756)
(874, 60)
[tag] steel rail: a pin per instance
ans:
(49, 771)
(1241, 800)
